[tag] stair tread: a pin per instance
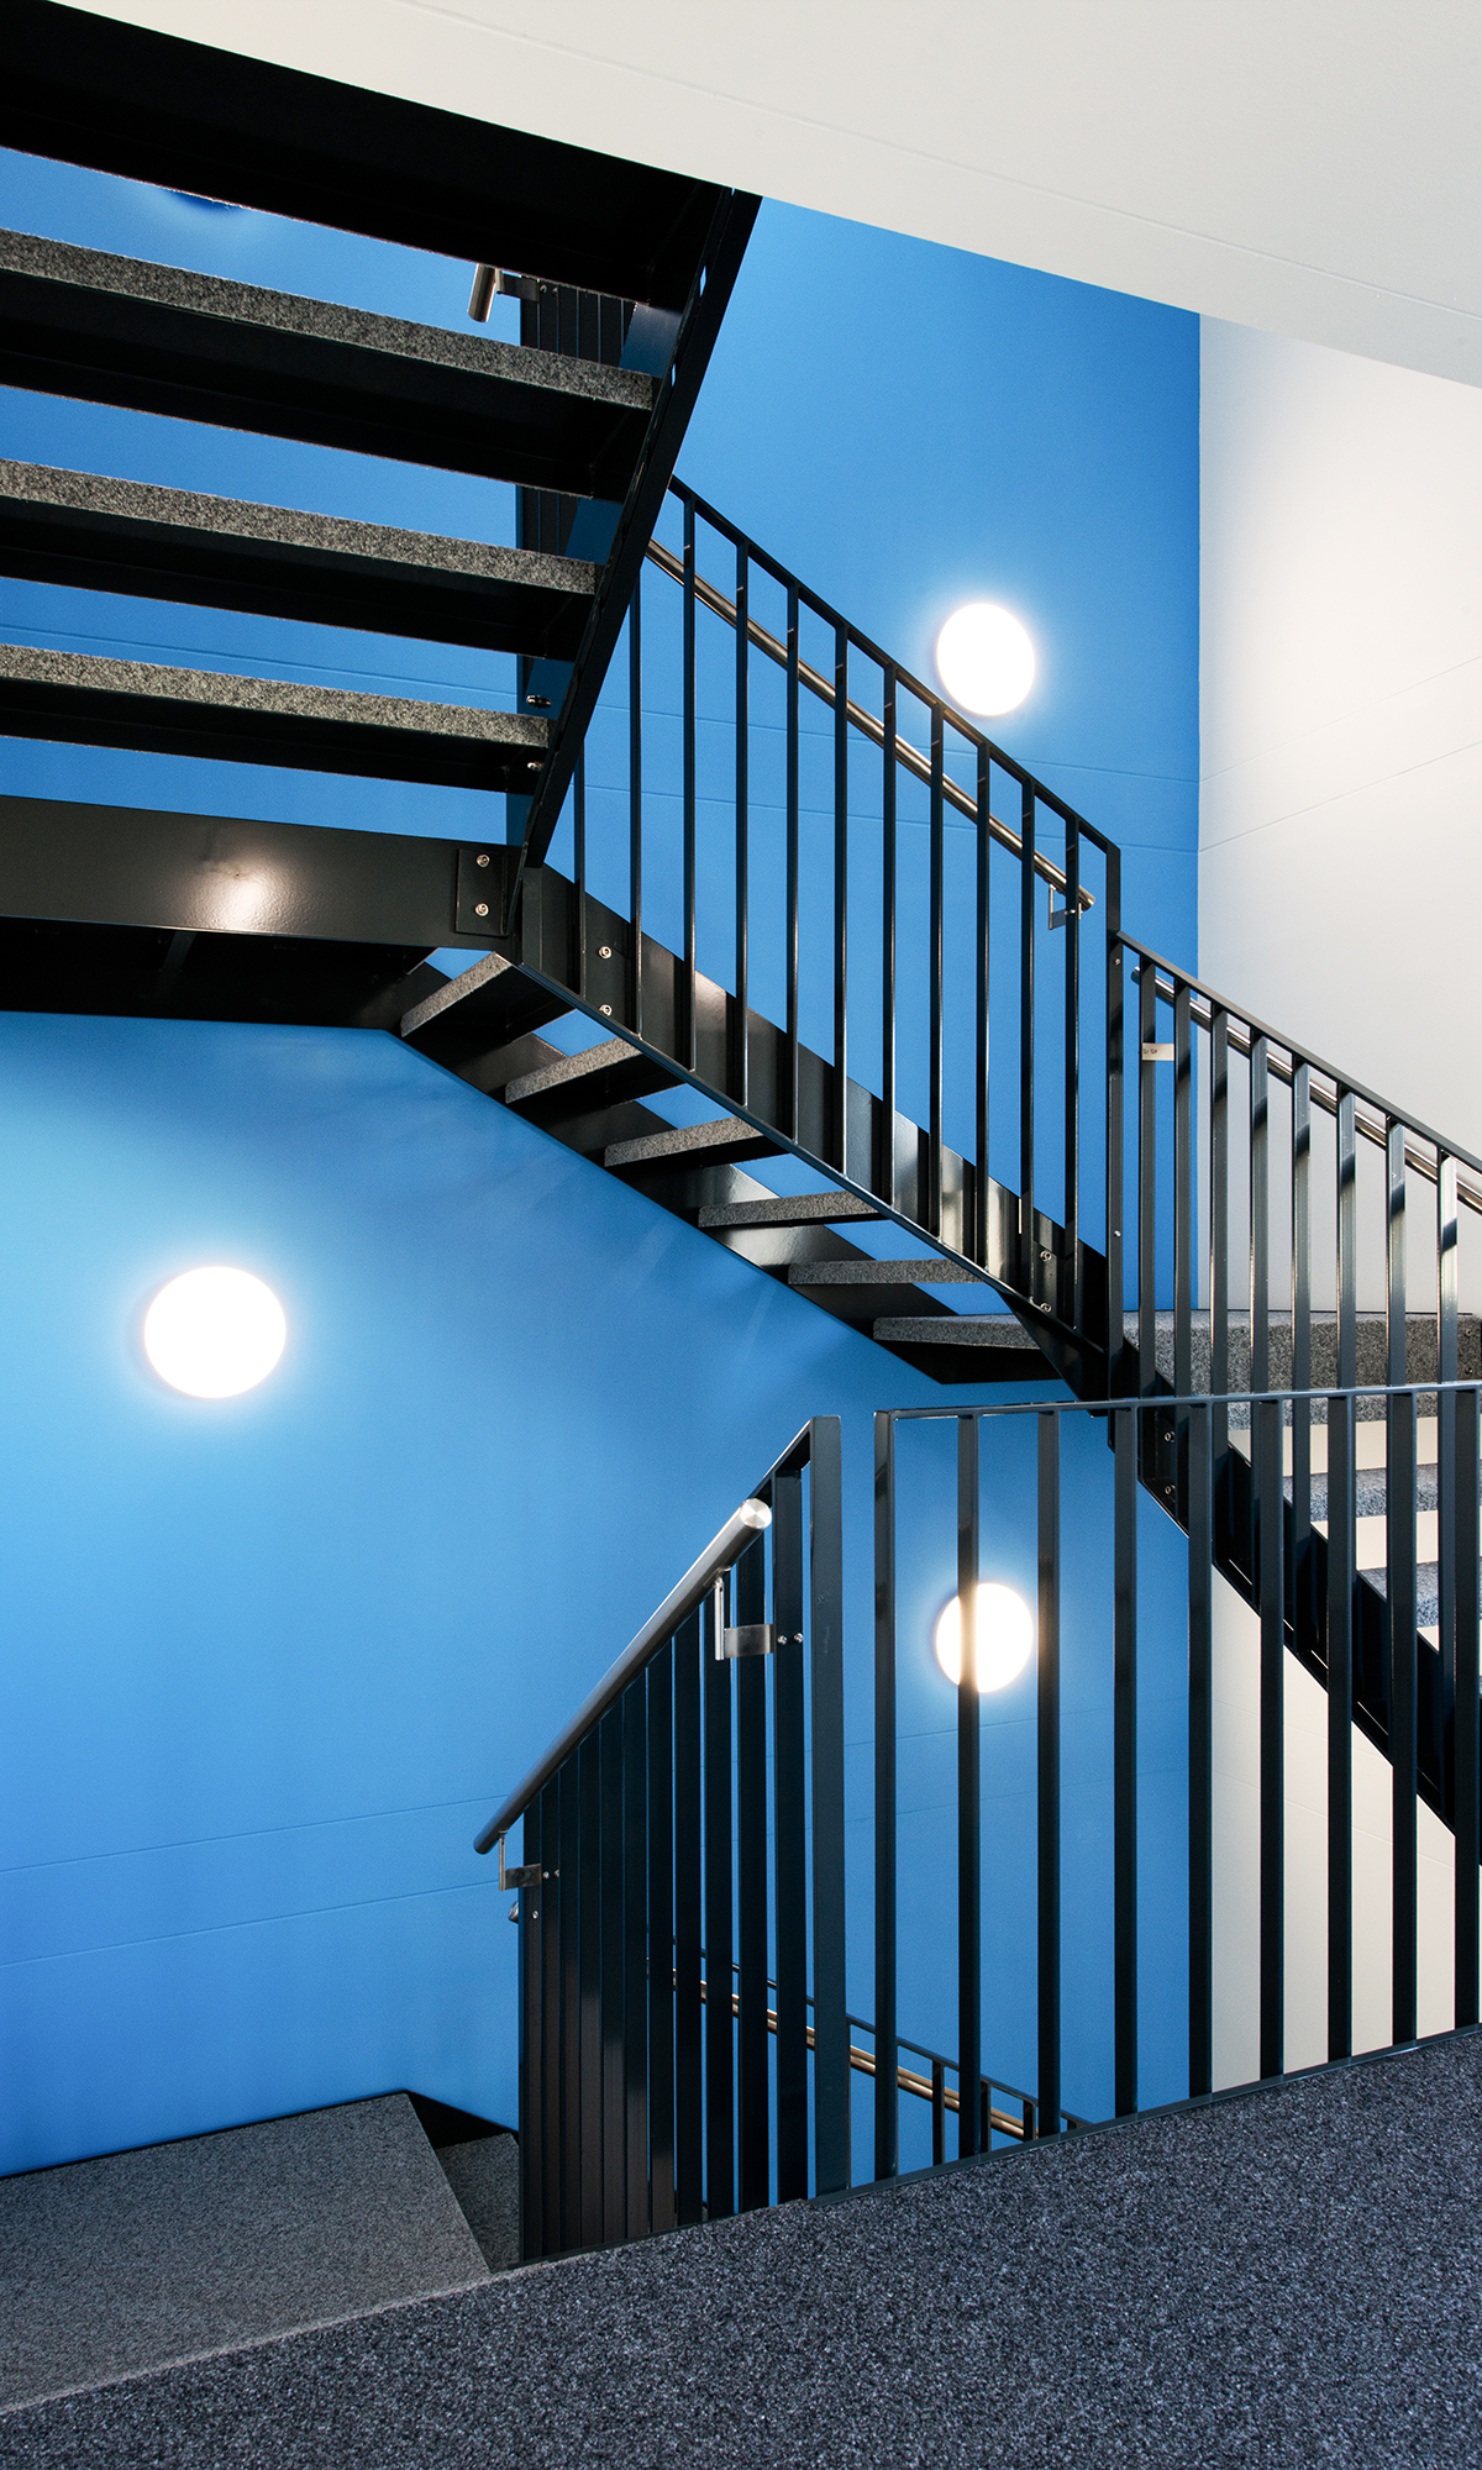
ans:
(131, 702)
(727, 1136)
(328, 321)
(569, 1069)
(927, 1271)
(956, 1329)
(124, 535)
(795, 1209)
(241, 356)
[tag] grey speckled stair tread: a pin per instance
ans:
(46, 485)
(92, 672)
(797, 1209)
(113, 2266)
(929, 1271)
(998, 1329)
(252, 304)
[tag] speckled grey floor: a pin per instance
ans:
(1276, 2282)
(119, 2264)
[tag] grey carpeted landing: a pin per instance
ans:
(110, 2266)
(1278, 2282)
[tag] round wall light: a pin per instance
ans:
(1004, 1642)
(214, 1332)
(985, 659)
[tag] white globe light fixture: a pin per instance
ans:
(985, 659)
(1004, 1637)
(214, 1333)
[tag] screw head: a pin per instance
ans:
(532, 766)
(481, 909)
(604, 951)
(606, 1010)
(482, 859)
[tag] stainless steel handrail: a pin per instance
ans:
(909, 757)
(740, 1529)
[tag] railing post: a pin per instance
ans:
(1047, 1779)
(1126, 1447)
(826, 1665)
(887, 2102)
(1116, 1376)
(969, 1820)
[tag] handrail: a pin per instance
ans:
(1370, 1126)
(743, 1525)
(910, 758)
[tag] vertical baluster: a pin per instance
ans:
(661, 1938)
(969, 1823)
(579, 870)
(790, 1090)
(752, 2053)
(1219, 1261)
(720, 2035)
(1342, 1548)
(1465, 1745)
(1116, 1009)
(826, 1674)
(1124, 1759)
(1347, 1169)
(1458, 1546)
(982, 1184)
(938, 2112)
(589, 1799)
(1200, 1500)
(1303, 1595)
(1028, 1246)
(840, 1074)
(1259, 1187)
(1400, 1595)
(634, 1709)
(1147, 1198)
(540, 2037)
(1047, 1778)
(613, 1985)
(887, 2097)
(686, 1025)
(1183, 1222)
(567, 2227)
(885, 1166)
(935, 964)
(1072, 1199)
(689, 2109)
(741, 1050)
(790, 1833)
(635, 810)
(1268, 1518)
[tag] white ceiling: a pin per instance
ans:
(1309, 166)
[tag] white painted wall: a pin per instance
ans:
(1311, 171)
(1236, 1699)
(1341, 712)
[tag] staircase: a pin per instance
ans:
(764, 928)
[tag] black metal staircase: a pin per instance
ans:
(801, 909)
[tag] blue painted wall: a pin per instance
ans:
(267, 1663)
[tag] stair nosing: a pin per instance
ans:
(685, 1140)
(916, 1272)
(959, 1328)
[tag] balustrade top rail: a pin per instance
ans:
(724, 1550)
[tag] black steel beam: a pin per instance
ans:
(106, 329)
(184, 115)
(143, 867)
(96, 534)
